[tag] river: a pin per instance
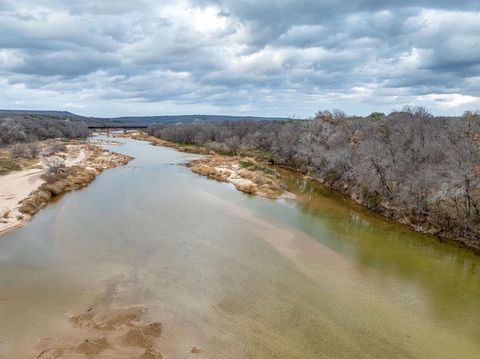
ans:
(238, 276)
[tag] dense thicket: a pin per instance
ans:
(409, 165)
(30, 128)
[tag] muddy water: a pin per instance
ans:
(235, 276)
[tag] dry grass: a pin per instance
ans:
(9, 163)
(5, 214)
(246, 188)
(261, 179)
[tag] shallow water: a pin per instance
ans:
(236, 275)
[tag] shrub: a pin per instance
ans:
(20, 150)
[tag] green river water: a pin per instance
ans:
(237, 275)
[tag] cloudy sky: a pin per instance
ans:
(249, 57)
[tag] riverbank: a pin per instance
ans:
(225, 168)
(73, 166)
(247, 174)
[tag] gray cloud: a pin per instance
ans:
(256, 57)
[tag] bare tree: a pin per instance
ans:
(11, 132)
(55, 165)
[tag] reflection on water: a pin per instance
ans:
(449, 277)
(239, 276)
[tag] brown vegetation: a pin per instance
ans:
(15, 158)
(247, 175)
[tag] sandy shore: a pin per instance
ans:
(13, 189)
(245, 173)
(24, 192)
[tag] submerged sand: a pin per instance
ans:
(114, 333)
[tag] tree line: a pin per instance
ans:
(30, 128)
(408, 165)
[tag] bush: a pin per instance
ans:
(373, 199)
(247, 164)
(59, 147)
(55, 165)
(20, 150)
(376, 116)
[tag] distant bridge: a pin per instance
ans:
(118, 127)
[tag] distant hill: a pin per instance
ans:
(61, 114)
(144, 120)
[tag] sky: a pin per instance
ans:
(252, 57)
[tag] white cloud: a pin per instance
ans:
(452, 101)
(222, 56)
